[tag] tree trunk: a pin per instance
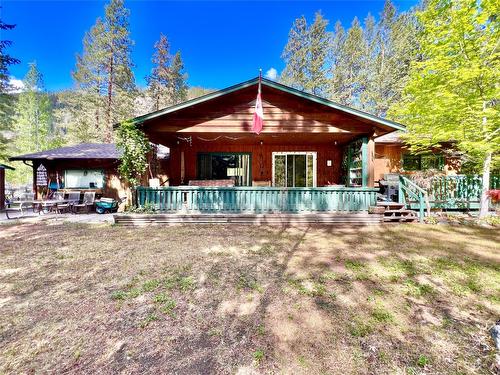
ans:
(486, 186)
(109, 128)
(97, 103)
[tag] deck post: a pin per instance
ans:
(371, 162)
(2, 188)
(35, 182)
(365, 160)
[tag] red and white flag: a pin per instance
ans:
(258, 116)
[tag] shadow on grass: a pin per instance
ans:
(379, 299)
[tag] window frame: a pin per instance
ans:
(222, 153)
(438, 158)
(314, 154)
(102, 171)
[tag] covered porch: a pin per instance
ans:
(312, 156)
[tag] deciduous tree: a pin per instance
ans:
(453, 91)
(135, 147)
(34, 128)
(33, 121)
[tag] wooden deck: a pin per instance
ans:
(281, 219)
(256, 200)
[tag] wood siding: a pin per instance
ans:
(388, 159)
(261, 160)
(113, 187)
(284, 114)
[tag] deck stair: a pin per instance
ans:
(397, 212)
(280, 219)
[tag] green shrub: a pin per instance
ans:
(382, 315)
(422, 361)
(360, 328)
(258, 355)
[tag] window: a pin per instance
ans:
(84, 178)
(222, 166)
(294, 169)
(422, 162)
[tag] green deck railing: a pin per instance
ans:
(459, 192)
(257, 199)
(456, 192)
(410, 192)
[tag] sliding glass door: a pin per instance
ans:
(222, 166)
(294, 169)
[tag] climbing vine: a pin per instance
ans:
(135, 147)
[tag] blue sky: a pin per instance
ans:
(222, 42)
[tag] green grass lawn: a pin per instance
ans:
(404, 299)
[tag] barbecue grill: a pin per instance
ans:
(389, 187)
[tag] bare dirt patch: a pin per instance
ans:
(243, 299)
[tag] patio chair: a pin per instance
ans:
(57, 207)
(74, 197)
(22, 206)
(88, 202)
(66, 206)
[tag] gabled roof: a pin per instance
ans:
(80, 151)
(394, 137)
(277, 86)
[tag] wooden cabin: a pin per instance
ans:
(312, 153)
(82, 167)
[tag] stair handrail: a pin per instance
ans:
(408, 186)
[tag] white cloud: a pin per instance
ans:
(16, 84)
(272, 74)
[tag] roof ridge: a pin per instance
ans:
(272, 84)
(76, 151)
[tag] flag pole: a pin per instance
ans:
(260, 77)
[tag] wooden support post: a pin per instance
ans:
(364, 161)
(2, 188)
(371, 162)
(368, 157)
(35, 186)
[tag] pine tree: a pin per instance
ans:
(104, 73)
(179, 85)
(391, 48)
(118, 65)
(167, 82)
(347, 81)
(319, 41)
(338, 77)
(295, 56)
(159, 79)
(306, 56)
(197, 91)
(88, 106)
(6, 100)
